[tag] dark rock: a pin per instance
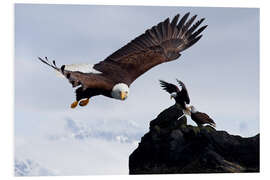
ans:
(172, 146)
(169, 118)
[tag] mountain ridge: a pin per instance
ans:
(172, 146)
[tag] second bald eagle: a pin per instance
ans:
(181, 97)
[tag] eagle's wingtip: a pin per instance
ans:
(39, 58)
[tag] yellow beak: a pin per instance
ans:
(123, 95)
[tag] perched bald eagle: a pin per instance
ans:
(200, 118)
(180, 96)
(113, 76)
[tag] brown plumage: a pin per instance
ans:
(201, 118)
(162, 43)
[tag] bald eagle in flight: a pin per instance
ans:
(200, 118)
(181, 97)
(113, 76)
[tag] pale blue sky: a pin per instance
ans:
(221, 71)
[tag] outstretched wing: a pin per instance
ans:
(170, 88)
(184, 91)
(161, 43)
(76, 78)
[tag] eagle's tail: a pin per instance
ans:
(213, 124)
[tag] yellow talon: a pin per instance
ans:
(74, 104)
(84, 102)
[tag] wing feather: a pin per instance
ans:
(187, 25)
(159, 44)
(170, 88)
(182, 22)
(197, 24)
(173, 25)
(184, 91)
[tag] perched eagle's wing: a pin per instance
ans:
(161, 43)
(170, 88)
(76, 78)
(184, 91)
(204, 118)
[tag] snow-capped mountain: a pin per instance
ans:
(28, 167)
(77, 147)
(82, 131)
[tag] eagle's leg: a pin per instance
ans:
(84, 102)
(74, 104)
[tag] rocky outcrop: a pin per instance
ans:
(172, 146)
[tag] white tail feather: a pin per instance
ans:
(213, 124)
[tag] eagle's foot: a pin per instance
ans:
(74, 104)
(84, 102)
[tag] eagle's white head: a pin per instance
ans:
(173, 95)
(120, 91)
(193, 109)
